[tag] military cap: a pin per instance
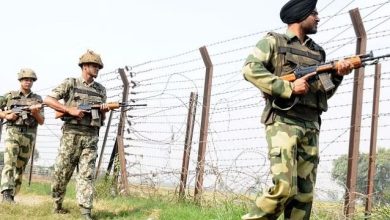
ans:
(91, 57)
(297, 10)
(27, 73)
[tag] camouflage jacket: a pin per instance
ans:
(261, 65)
(13, 98)
(75, 91)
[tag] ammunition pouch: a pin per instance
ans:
(297, 111)
(82, 95)
(268, 116)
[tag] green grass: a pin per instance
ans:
(34, 202)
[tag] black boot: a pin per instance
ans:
(58, 209)
(7, 196)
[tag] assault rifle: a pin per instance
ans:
(22, 109)
(323, 75)
(322, 70)
(94, 108)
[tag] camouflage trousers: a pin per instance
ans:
(293, 155)
(80, 151)
(18, 146)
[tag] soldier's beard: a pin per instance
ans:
(312, 30)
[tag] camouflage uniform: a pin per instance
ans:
(292, 133)
(78, 143)
(19, 140)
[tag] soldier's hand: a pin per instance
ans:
(75, 112)
(104, 107)
(343, 67)
(11, 116)
(35, 108)
(301, 86)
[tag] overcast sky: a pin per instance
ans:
(49, 36)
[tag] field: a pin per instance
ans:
(34, 202)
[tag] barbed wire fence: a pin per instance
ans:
(236, 158)
(236, 164)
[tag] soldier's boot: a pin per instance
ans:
(7, 196)
(86, 213)
(58, 209)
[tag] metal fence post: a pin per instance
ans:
(121, 129)
(204, 123)
(188, 142)
(119, 149)
(356, 116)
(374, 132)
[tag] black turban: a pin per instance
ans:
(297, 10)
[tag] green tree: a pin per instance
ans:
(382, 176)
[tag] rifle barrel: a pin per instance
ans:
(375, 58)
(130, 105)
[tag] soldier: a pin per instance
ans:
(79, 142)
(292, 129)
(21, 132)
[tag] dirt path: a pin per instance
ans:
(31, 200)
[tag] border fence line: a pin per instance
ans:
(233, 161)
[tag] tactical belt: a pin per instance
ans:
(89, 130)
(21, 128)
(302, 112)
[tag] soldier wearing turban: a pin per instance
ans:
(292, 131)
